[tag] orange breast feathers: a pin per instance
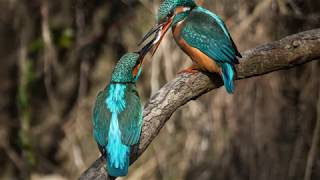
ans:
(204, 62)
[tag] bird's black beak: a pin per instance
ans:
(153, 30)
(160, 30)
(142, 53)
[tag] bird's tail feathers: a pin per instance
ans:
(117, 172)
(228, 73)
(114, 168)
(117, 152)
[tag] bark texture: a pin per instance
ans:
(286, 53)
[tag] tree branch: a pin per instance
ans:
(283, 54)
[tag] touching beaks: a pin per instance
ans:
(164, 28)
(153, 30)
(142, 53)
(160, 30)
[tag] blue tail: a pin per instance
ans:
(117, 153)
(228, 73)
(117, 171)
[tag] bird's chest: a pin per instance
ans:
(204, 62)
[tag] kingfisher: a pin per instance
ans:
(202, 35)
(117, 114)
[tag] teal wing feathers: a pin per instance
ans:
(207, 32)
(101, 119)
(130, 120)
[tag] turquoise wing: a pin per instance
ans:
(130, 120)
(101, 120)
(207, 32)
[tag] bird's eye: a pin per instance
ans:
(170, 13)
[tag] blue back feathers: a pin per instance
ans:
(117, 116)
(205, 31)
(117, 153)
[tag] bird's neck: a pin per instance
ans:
(181, 14)
(122, 78)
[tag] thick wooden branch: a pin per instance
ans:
(283, 54)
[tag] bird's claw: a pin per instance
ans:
(190, 70)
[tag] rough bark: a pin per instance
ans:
(286, 53)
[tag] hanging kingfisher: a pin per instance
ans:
(202, 35)
(117, 114)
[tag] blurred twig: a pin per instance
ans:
(50, 56)
(14, 157)
(314, 145)
(283, 54)
(259, 11)
(24, 112)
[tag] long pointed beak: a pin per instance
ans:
(142, 53)
(154, 29)
(164, 28)
(160, 30)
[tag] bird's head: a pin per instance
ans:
(168, 7)
(169, 14)
(129, 67)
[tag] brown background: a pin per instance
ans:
(56, 55)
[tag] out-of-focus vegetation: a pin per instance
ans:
(56, 55)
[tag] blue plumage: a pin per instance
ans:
(227, 76)
(206, 32)
(202, 35)
(117, 116)
(117, 152)
(116, 100)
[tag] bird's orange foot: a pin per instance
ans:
(192, 70)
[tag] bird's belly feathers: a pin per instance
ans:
(201, 59)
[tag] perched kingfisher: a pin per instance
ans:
(117, 114)
(202, 35)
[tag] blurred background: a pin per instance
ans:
(56, 56)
